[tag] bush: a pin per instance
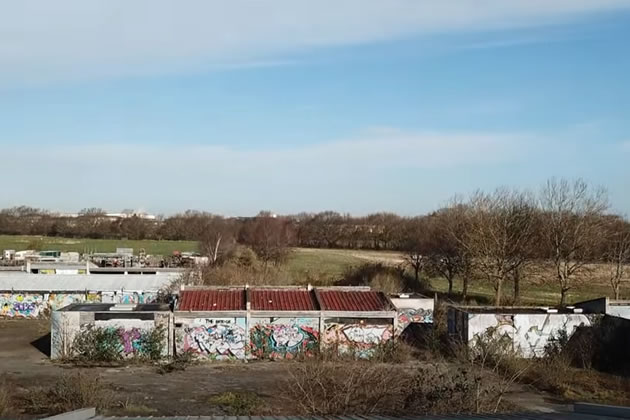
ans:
(239, 403)
(344, 387)
(104, 344)
(70, 392)
(95, 344)
(321, 387)
(376, 275)
(178, 363)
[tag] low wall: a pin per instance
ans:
(529, 333)
(66, 326)
(35, 304)
(283, 338)
(212, 338)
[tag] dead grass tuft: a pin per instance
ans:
(69, 392)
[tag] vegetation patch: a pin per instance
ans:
(237, 403)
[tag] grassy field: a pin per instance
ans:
(93, 245)
(322, 266)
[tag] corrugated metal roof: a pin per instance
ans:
(282, 300)
(347, 300)
(24, 282)
(212, 300)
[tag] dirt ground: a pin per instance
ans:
(141, 390)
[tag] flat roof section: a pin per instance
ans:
(212, 300)
(282, 300)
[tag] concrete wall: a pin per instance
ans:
(129, 327)
(619, 309)
(359, 336)
(413, 311)
(222, 338)
(283, 338)
(34, 304)
(529, 333)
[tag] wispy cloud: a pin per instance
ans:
(122, 175)
(76, 39)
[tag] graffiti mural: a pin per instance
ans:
(413, 316)
(21, 305)
(284, 338)
(128, 342)
(135, 298)
(527, 333)
(215, 339)
(59, 300)
(360, 339)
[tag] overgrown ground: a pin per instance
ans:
(32, 386)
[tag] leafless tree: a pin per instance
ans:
(500, 231)
(573, 227)
(269, 237)
(448, 255)
(414, 244)
(617, 254)
(217, 238)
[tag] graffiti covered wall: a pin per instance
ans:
(33, 305)
(213, 338)
(361, 339)
(284, 338)
(17, 305)
(529, 333)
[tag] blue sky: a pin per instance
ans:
(357, 106)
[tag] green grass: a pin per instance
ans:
(531, 294)
(152, 247)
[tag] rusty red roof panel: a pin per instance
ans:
(282, 300)
(212, 300)
(346, 300)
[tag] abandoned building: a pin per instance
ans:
(27, 295)
(127, 322)
(238, 323)
(528, 329)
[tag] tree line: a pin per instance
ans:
(565, 227)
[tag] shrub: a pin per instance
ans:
(70, 392)
(152, 343)
(97, 344)
(178, 363)
(324, 387)
(240, 403)
(104, 344)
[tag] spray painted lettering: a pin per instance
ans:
(360, 339)
(21, 305)
(215, 339)
(285, 338)
(413, 316)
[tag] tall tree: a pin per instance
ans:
(500, 231)
(573, 226)
(617, 254)
(217, 238)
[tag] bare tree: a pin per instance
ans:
(573, 227)
(414, 244)
(216, 238)
(448, 256)
(269, 237)
(500, 231)
(617, 254)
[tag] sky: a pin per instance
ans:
(292, 105)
